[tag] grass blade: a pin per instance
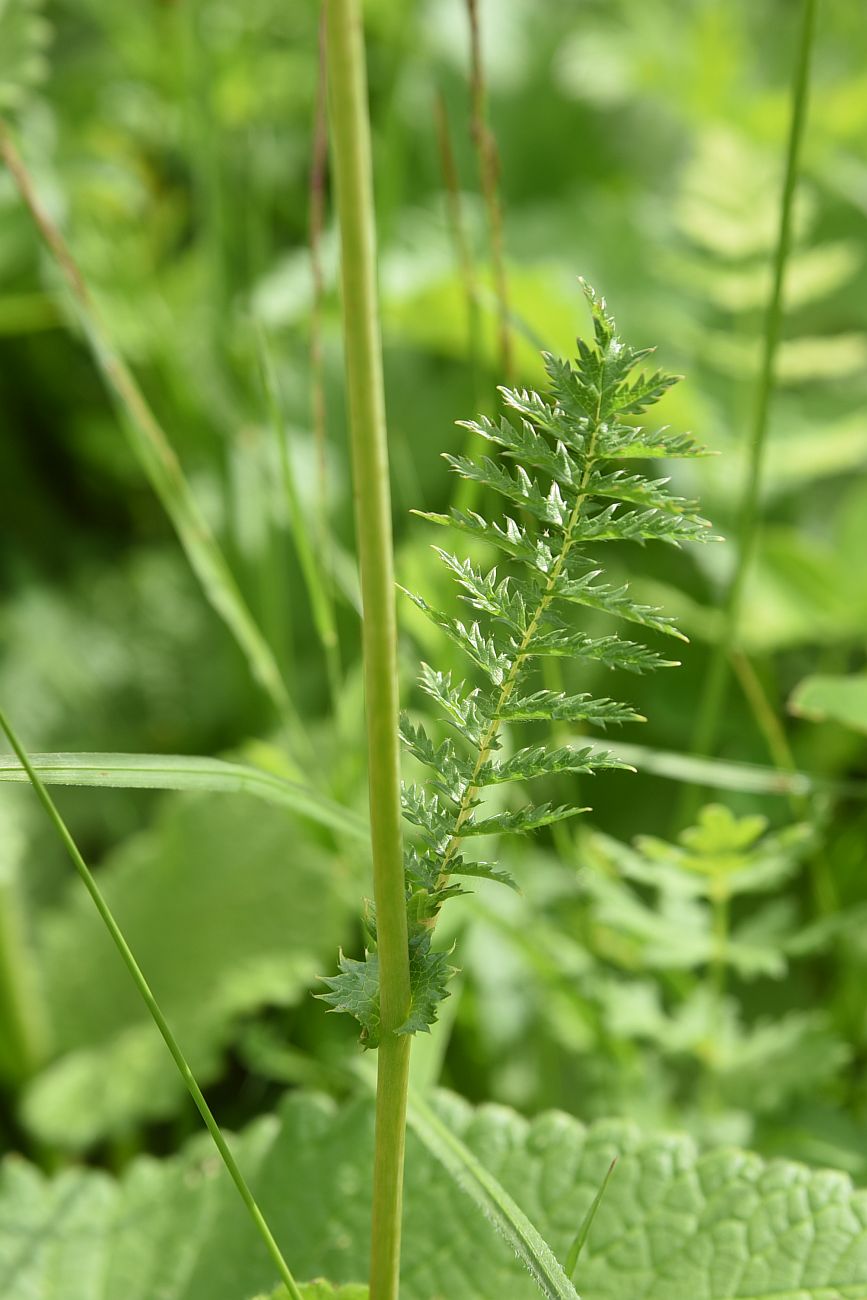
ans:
(587, 1223)
(719, 774)
(182, 772)
(153, 1007)
(311, 556)
(157, 457)
(493, 1200)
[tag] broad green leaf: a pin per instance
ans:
(832, 699)
(490, 1198)
(674, 1224)
(587, 1223)
(183, 772)
(227, 907)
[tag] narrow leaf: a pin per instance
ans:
(182, 772)
(491, 1198)
(584, 1231)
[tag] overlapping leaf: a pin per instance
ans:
(674, 1224)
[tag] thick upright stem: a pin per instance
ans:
(717, 676)
(352, 171)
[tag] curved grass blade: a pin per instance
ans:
(180, 772)
(153, 1007)
(311, 555)
(492, 1199)
(158, 459)
(584, 1231)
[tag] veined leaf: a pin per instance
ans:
(491, 1199)
(284, 905)
(675, 1224)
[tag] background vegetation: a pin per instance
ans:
(714, 988)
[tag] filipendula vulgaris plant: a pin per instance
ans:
(560, 468)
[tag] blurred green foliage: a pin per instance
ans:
(640, 145)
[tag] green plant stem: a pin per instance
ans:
(489, 170)
(821, 873)
(467, 490)
(153, 1007)
(316, 224)
(352, 170)
(159, 461)
(713, 698)
(24, 1033)
(719, 963)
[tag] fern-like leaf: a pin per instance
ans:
(562, 492)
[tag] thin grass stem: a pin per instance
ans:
(153, 1007)
(316, 225)
(467, 490)
(716, 679)
(489, 171)
(352, 169)
(821, 874)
